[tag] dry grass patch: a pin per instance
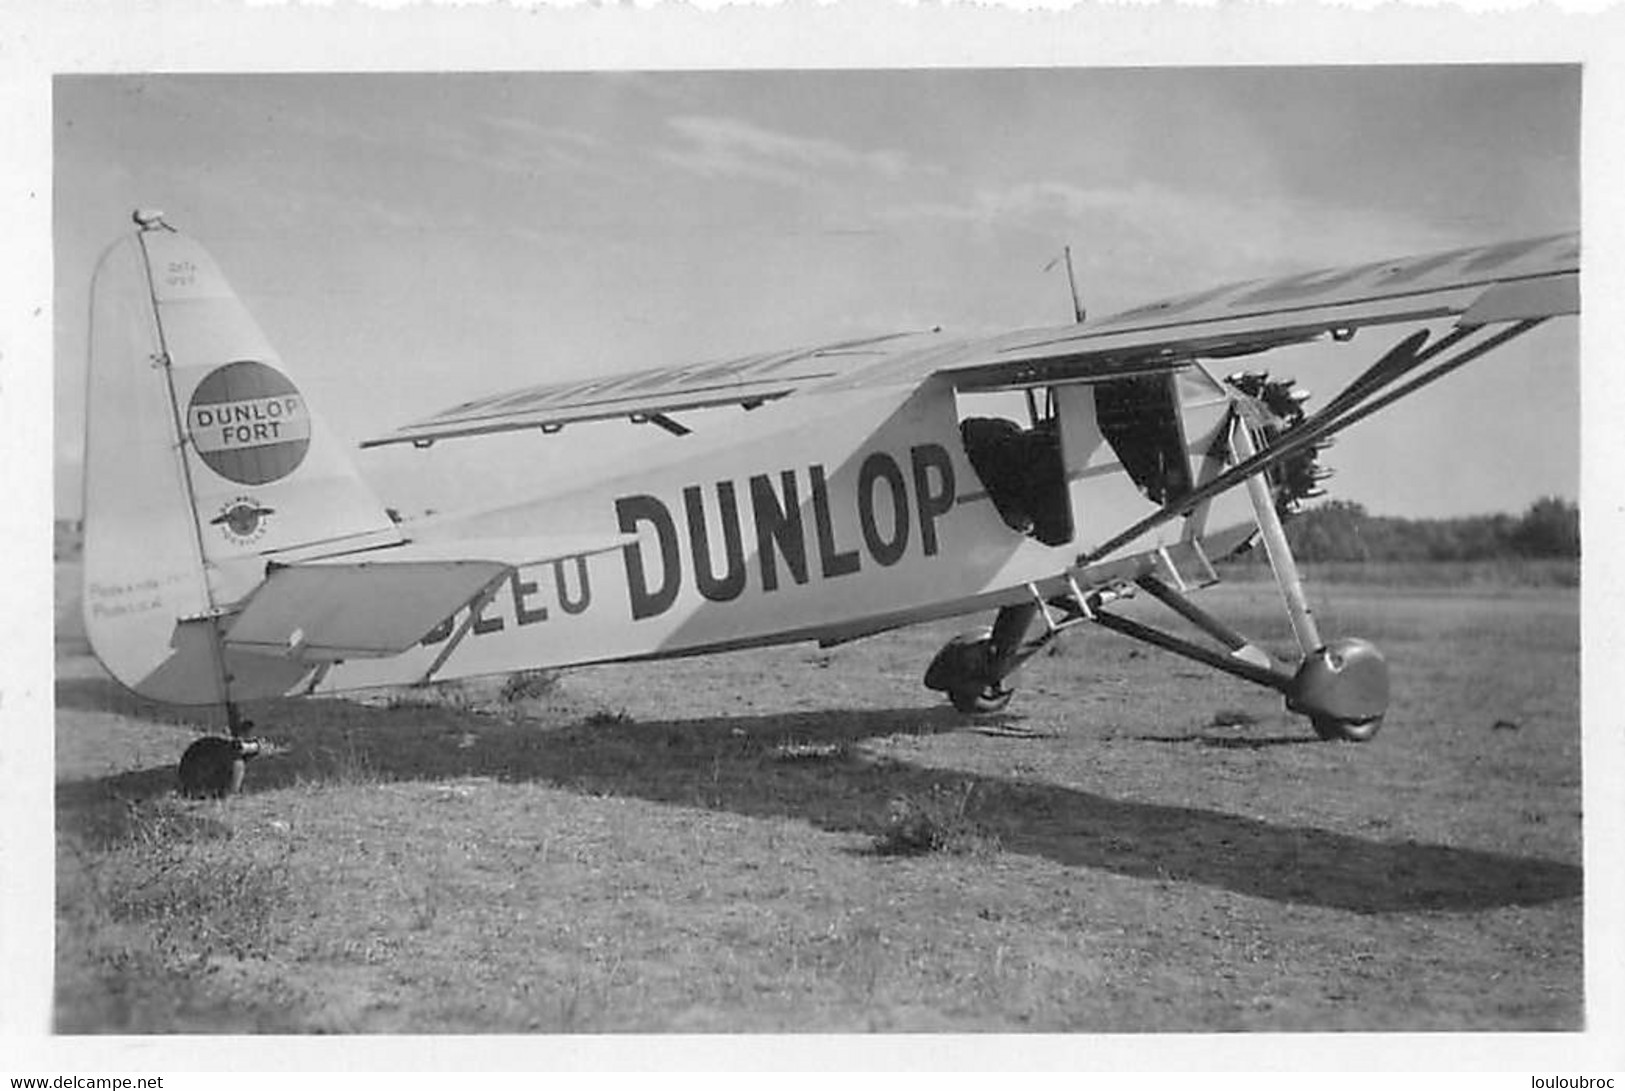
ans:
(938, 820)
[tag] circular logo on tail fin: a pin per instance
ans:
(242, 520)
(248, 423)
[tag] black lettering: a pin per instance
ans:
(483, 624)
(932, 504)
(778, 529)
(522, 612)
(834, 563)
(727, 588)
(579, 603)
(632, 510)
(876, 468)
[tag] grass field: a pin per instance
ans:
(806, 840)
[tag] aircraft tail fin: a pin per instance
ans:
(201, 459)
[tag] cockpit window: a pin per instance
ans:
(1024, 473)
(1139, 417)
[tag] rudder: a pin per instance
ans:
(202, 461)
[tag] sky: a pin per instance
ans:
(410, 241)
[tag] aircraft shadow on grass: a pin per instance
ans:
(808, 766)
(1237, 742)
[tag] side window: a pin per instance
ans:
(1139, 417)
(1024, 474)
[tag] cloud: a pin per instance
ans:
(1198, 236)
(716, 147)
(529, 147)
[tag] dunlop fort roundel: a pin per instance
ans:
(248, 423)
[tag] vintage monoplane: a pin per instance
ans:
(232, 552)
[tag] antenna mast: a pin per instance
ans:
(1078, 313)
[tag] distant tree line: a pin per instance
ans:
(1340, 530)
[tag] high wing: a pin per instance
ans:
(1528, 279)
(651, 394)
(1531, 278)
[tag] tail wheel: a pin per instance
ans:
(213, 767)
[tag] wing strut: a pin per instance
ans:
(481, 598)
(1349, 408)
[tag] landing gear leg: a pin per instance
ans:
(972, 667)
(1343, 686)
(213, 767)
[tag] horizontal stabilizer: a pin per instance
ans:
(350, 608)
(324, 612)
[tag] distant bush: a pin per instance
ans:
(1343, 531)
(1550, 528)
(1483, 576)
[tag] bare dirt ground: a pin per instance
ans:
(1139, 844)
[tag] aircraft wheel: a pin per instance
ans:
(1343, 689)
(980, 702)
(1334, 730)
